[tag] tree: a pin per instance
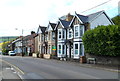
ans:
(116, 20)
(5, 48)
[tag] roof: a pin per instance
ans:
(89, 17)
(93, 15)
(42, 28)
(83, 18)
(65, 23)
(53, 25)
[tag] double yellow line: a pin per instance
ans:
(13, 66)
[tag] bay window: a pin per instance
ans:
(78, 30)
(81, 30)
(78, 49)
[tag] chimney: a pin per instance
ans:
(32, 32)
(69, 17)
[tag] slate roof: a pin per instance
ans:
(83, 18)
(89, 17)
(42, 29)
(93, 15)
(53, 25)
(65, 23)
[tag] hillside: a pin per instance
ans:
(7, 38)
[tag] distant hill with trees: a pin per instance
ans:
(7, 38)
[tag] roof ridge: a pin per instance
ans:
(95, 12)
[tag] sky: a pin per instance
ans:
(27, 15)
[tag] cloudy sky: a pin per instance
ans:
(16, 15)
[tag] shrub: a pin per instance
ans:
(103, 40)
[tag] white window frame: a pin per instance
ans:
(78, 55)
(61, 53)
(83, 30)
(69, 33)
(77, 31)
(58, 49)
(63, 30)
(82, 49)
(59, 30)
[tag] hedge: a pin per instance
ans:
(103, 40)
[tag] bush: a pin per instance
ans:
(103, 40)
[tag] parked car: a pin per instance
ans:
(11, 53)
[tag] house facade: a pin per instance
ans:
(50, 39)
(41, 40)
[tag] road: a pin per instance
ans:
(36, 68)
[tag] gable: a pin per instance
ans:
(60, 26)
(100, 20)
(39, 31)
(75, 21)
(49, 28)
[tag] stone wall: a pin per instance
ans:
(105, 59)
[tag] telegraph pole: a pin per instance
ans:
(22, 43)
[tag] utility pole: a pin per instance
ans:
(22, 43)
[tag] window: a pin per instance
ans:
(63, 34)
(53, 36)
(49, 36)
(59, 34)
(59, 47)
(63, 50)
(81, 31)
(76, 32)
(76, 48)
(81, 49)
(70, 33)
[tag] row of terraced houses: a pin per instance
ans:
(62, 39)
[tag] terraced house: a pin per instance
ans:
(41, 40)
(70, 34)
(50, 39)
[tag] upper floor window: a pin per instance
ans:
(78, 30)
(59, 34)
(81, 30)
(42, 38)
(53, 36)
(70, 33)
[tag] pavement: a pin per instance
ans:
(114, 68)
(8, 72)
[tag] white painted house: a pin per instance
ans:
(80, 24)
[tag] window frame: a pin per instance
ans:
(77, 31)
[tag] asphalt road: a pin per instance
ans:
(36, 68)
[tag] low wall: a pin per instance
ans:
(105, 59)
(46, 56)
